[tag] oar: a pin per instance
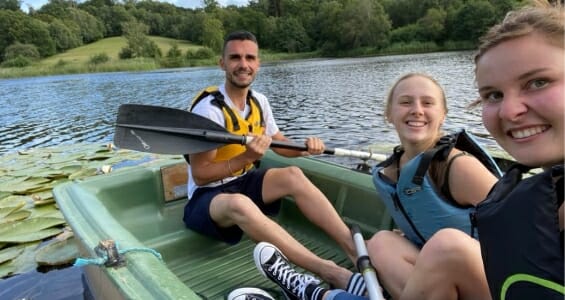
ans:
(164, 130)
(364, 265)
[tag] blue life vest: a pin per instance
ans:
(415, 204)
(521, 243)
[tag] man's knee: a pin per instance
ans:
(234, 204)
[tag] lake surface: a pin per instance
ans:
(339, 100)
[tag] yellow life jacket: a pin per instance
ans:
(253, 123)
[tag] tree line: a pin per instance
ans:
(329, 27)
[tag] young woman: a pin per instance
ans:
(432, 181)
(520, 76)
(450, 188)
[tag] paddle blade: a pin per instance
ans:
(135, 130)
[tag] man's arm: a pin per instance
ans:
(205, 170)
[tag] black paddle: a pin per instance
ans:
(164, 130)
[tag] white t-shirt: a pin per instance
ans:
(206, 109)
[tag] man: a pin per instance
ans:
(228, 196)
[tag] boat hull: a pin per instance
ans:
(131, 208)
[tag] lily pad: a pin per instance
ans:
(10, 253)
(30, 230)
(30, 236)
(4, 195)
(7, 269)
(16, 200)
(4, 211)
(25, 262)
(83, 173)
(16, 216)
(57, 253)
(49, 210)
(24, 187)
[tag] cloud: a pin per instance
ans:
(36, 4)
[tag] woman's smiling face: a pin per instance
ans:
(417, 110)
(521, 85)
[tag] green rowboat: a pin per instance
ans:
(141, 210)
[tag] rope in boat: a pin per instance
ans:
(111, 256)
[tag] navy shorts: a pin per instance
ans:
(197, 210)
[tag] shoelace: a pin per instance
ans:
(293, 280)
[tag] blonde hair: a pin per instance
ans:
(540, 17)
(390, 94)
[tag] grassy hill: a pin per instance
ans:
(112, 46)
(78, 60)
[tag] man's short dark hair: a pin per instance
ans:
(240, 35)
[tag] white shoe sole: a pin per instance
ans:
(241, 292)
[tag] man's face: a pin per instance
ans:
(240, 62)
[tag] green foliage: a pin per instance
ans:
(15, 26)
(324, 27)
(17, 62)
(88, 27)
(213, 34)
(99, 58)
(63, 36)
(174, 51)
(174, 58)
(473, 20)
(138, 44)
(405, 34)
(126, 53)
(61, 63)
(292, 36)
(432, 25)
(10, 4)
(28, 51)
(201, 53)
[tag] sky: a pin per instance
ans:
(36, 4)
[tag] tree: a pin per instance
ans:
(15, 26)
(212, 34)
(28, 51)
(63, 37)
(432, 25)
(138, 44)
(472, 20)
(292, 36)
(10, 4)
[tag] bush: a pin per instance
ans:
(99, 58)
(174, 52)
(202, 53)
(126, 53)
(28, 51)
(150, 49)
(61, 63)
(18, 62)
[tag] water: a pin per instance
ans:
(339, 100)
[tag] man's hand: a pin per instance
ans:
(257, 147)
(315, 145)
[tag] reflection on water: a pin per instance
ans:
(339, 100)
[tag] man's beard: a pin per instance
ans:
(239, 84)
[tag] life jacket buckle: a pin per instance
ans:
(411, 191)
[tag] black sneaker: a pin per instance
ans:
(249, 293)
(274, 265)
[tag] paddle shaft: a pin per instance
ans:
(158, 129)
(364, 265)
(228, 138)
